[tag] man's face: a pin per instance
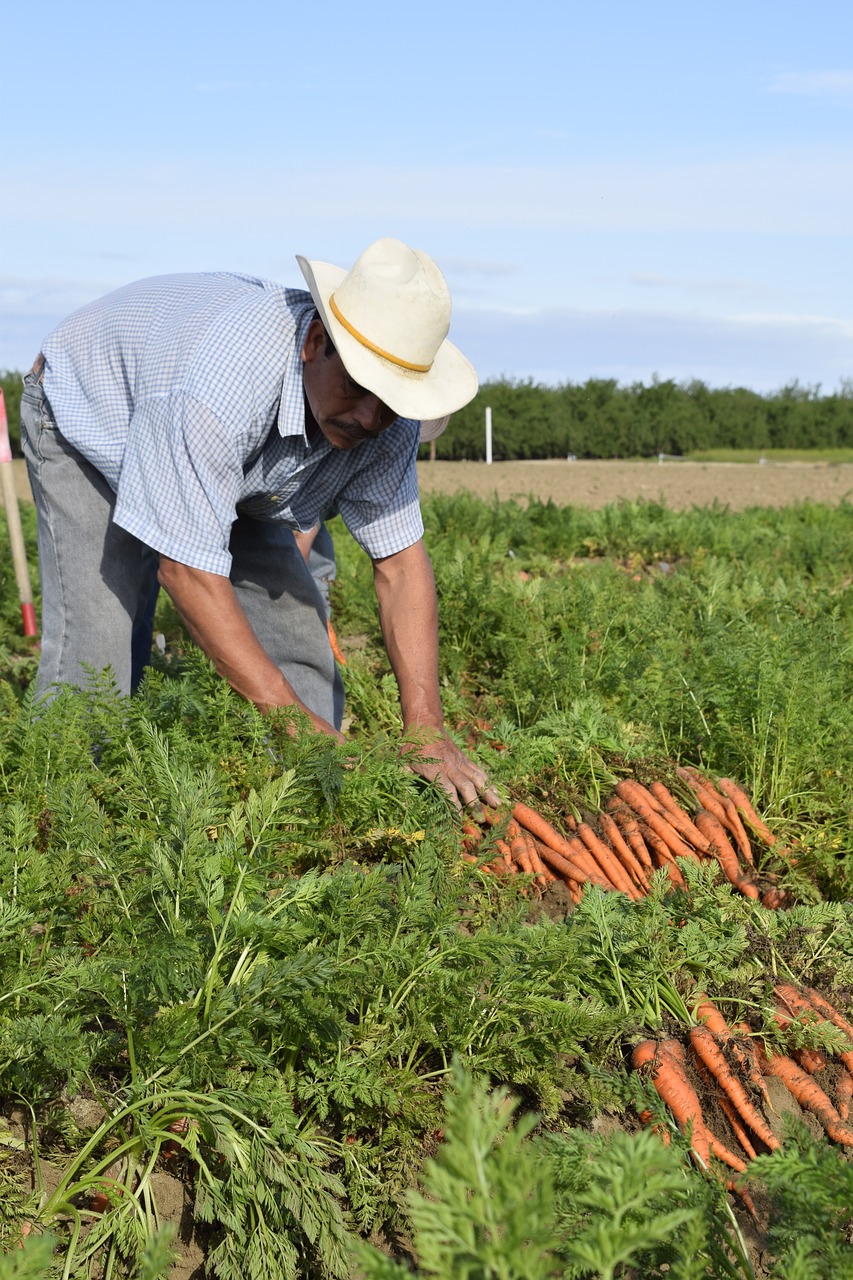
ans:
(344, 412)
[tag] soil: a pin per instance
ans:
(677, 484)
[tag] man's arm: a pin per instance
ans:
(408, 615)
(211, 612)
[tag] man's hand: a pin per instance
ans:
(209, 608)
(439, 760)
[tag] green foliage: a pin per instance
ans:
(601, 419)
(496, 1204)
(12, 385)
(206, 917)
(811, 1229)
(487, 1206)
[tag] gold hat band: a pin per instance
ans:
(365, 342)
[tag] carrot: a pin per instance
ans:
(821, 1005)
(627, 822)
(705, 792)
(472, 836)
(813, 1002)
(738, 1129)
(543, 831)
(623, 851)
(337, 654)
(663, 856)
(647, 1119)
(567, 867)
(709, 1052)
(642, 803)
(608, 864)
(811, 1060)
(543, 875)
(710, 826)
(744, 806)
(709, 1015)
(661, 1059)
(809, 1095)
(844, 1095)
(682, 822)
(738, 830)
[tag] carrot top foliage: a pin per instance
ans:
(259, 960)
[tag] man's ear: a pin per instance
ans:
(315, 341)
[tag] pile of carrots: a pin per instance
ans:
(639, 830)
(735, 1065)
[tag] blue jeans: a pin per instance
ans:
(99, 584)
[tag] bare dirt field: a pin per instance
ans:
(678, 485)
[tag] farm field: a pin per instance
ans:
(269, 1009)
(679, 484)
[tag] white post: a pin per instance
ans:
(488, 435)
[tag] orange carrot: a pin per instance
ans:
(709, 1015)
(543, 830)
(647, 1119)
(540, 871)
(682, 822)
(626, 819)
(844, 1095)
(608, 864)
(738, 830)
(728, 1109)
(811, 1060)
(705, 792)
(661, 1059)
(709, 1052)
(335, 647)
(744, 805)
(568, 867)
(812, 1002)
(809, 1095)
(710, 826)
(643, 804)
(623, 851)
(473, 835)
(663, 856)
(821, 1005)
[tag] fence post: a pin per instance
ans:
(488, 435)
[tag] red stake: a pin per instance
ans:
(13, 519)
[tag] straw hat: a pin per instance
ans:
(388, 317)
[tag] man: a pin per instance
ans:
(180, 429)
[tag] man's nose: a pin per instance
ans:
(370, 413)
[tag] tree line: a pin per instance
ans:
(602, 419)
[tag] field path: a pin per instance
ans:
(679, 485)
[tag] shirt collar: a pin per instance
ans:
(291, 410)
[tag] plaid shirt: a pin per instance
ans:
(185, 392)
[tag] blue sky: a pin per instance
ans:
(612, 189)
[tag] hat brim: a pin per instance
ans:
(449, 384)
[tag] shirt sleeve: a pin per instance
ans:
(379, 504)
(179, 482)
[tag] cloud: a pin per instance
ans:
(723, 287)
(814, 84)
(786, 191)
